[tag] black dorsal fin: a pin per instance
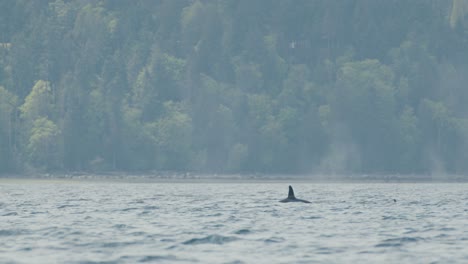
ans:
(291, 193)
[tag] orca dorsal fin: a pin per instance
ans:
(291, 193)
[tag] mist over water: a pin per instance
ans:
(92, 222)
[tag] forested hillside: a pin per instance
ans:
(287, 86)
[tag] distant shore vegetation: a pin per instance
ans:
(234, 86)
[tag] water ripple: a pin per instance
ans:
(211, 239)
(10, 214)
(12, 232)
(158, 258)
(398, 242)
(232, 223)
(243, 232)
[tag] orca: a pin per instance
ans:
(291, 198)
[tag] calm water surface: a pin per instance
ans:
(109, 222)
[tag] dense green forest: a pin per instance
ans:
(286, 86)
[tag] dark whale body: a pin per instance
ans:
(291, 198)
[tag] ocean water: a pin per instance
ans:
(112, 222)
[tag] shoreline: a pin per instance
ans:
(177, 177)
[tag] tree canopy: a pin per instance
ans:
(240, 86)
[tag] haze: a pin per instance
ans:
(291, 87)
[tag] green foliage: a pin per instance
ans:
(409, 141)
(234, 86)
(8, 104)
(366, 103)
(43, 144)
(39, 102)
(171, 136)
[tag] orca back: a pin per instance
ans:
(292, 198)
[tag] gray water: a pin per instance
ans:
(109, 222)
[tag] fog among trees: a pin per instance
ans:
(287, 86)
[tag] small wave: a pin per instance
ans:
(337, 209)
(214, 215)
(366, 252)
(139, 233)
(26, 249)
(66, 205)
(410, 230)
(10, 214)
(158, 258)
(79, 200)
(442, 236)
(211, 239)
(311, 217)
(235, 262)
(397, 242)
(242, 231)
(150, 207)
(122, 226)
(447, 229)
(325, 251)
(97, 262)
(144, 213)
(13, 232)
(39, 212)
(385, 217)
(117, 244)
(213, 226)
(392, 217)
(274, 240)
(128, 209)
(233, 218)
